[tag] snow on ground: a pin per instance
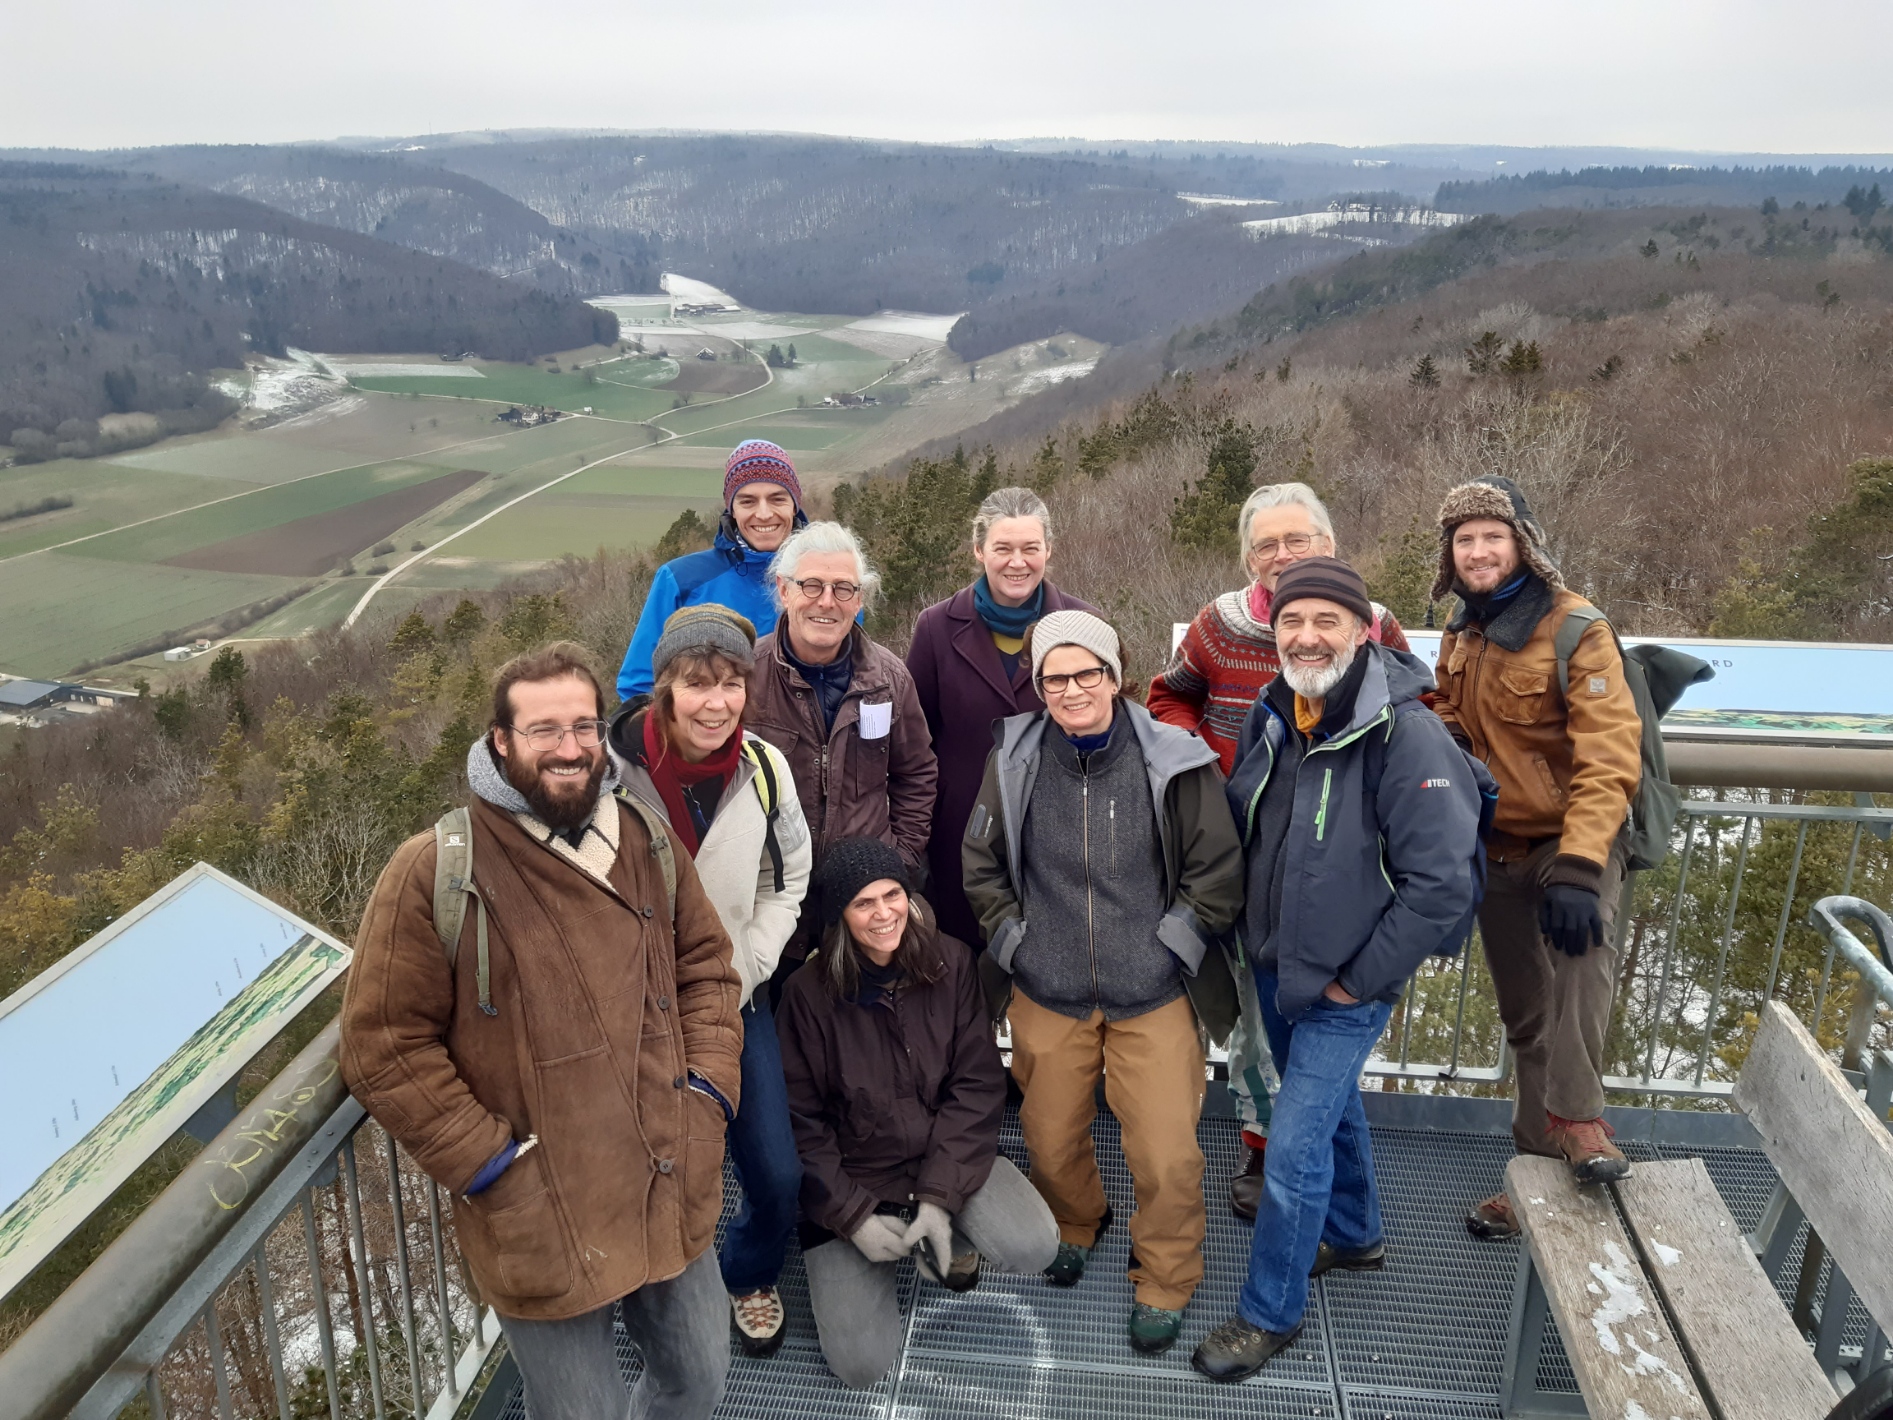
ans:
(753, 330)
(927, 327)
(1211, 199)
(1307, 224)
(1032, 381)
(280, 389)
(888, 344)
(684, 288)
(350, 368)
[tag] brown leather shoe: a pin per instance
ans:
(1245, 1189)
(1493, 1218)
(1586, 1146)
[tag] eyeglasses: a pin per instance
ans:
(1296, 543)
(813, 588)
(586, 734)
(1087, 679)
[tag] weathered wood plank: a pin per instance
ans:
(1739, 1337)
(1834, 1156)
(1627, 1363)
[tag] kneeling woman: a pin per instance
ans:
(1103, 863)
(896, 1090)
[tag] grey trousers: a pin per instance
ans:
(857, 1302)
(682, 1327)
(1556, 1008)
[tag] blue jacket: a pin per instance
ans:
(1374, 884)
(727, 572)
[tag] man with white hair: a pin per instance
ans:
(1224, 660)
(1359, 818)
(840, 707)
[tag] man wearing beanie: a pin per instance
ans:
(762, 505)
(1567, 763)
(1359, 819)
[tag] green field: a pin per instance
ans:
(63, 610)
(525, 384)
(795, 431)
(265, 508)
(259, 460)
(614, 506)
(103, 497)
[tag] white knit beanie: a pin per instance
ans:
(1076, 628)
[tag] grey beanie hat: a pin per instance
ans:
(1077, 628)
(708, 626)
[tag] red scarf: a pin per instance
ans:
(672, 774)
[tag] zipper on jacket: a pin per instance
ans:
(1091, 925)
(1111, 814)
(1321, 812)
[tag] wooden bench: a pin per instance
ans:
(1665, 1311)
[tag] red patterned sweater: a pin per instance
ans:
(1224, 661)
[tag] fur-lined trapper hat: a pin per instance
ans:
(1493, 496)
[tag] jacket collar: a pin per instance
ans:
(1513, 627)
(973, 644)
(867, 674)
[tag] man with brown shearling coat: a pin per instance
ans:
(570, 1082)
(1567, 765)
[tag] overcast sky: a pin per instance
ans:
(1738, 76)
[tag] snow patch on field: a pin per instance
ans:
(1033, 381)
(917, 323)
(1210, 199)
(753, 330)
(398, 370)
(1309, 224)
(696, 293)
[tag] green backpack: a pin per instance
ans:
(1657, 676)
(454, 885)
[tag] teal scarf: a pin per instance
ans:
(1007, 620)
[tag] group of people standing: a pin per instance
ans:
(779, 902)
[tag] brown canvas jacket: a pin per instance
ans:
(1565, 770)
(601, 1010)
(892, 1103)
(850, 787)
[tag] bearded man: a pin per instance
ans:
(1359, 819)
(567, 1073)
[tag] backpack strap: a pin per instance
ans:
(453, 885)
(1577, 621)
(661, 848)
(770, 795)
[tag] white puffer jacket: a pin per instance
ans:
(733, 861)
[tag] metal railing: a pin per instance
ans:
(300, 1266)
(1744, 910)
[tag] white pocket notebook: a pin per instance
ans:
(876, 720)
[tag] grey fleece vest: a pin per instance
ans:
(1094, 885)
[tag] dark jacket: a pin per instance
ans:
(897, 1102)
(850, 786)
(1371, 886)
(1200, 860)
(602, 1008)
(964, 691)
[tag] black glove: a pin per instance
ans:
(1568, 916)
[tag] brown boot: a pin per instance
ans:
(1493, 1218)
(1245, 1189)
(1586, 1146)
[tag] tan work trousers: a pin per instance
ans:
(1556, 1008)
(1153, 1081)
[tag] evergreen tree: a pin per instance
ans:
(1206, 516)
(1484, 353)
(1524, 358)
(1424, 376)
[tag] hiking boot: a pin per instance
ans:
(1493, 1218)
(1154, 1329)
(1069, 1265)
(962, 1275)
(1236, 1350)
(759, 1318)
(1245, 1189)
(1586, 1146)
(1365, 1259)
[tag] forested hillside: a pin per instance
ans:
(123, 291)
(1669, 186)
(411, 203)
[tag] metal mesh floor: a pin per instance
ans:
(1422, 1340)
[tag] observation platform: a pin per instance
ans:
(1422, 1340)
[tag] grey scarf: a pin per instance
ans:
(488, 780)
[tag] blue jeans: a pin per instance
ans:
(1319, 1186)
(762, 1151)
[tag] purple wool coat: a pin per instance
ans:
(964, 691)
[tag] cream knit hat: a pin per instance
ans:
(1076, 628)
